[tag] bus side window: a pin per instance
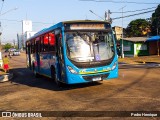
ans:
(60, 46)
(52, 42)
(29, 48)
(46, 42)
(32, 47)
(26, 48)
(41, 44)
(37, 45)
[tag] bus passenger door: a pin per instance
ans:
(29, 56)
(38, 55)
(60, 58)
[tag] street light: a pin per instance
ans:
(0, 22)
(96, 15)
(9, 11)
(1, 31)
(0, 38)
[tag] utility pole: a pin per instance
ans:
(107, 16)
(122, 35)
(0, 21)
(14, 43)
(157, 35)
(1, 62)
(0, 41)
(0, 26)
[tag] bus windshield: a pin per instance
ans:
(89, 46)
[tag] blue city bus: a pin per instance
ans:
(73, 52)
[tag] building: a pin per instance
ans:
(20, 41)
(26, 33)
(135, 46)
(154, 41)
(118, 32)
(140, 46)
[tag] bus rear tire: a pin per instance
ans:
(36, 74)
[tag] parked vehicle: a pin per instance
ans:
(16, 52)
(12, 49)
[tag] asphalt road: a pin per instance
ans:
(136, 89)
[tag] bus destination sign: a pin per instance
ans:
(86, 26)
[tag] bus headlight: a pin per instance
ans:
(72, 70)
(114, 65)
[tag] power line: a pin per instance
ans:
(135, 10)
(8, 11)
(21, 21)
(119, 1)
(1, 7)
(132, 15)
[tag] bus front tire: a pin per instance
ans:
(53, 77)
(53, 73)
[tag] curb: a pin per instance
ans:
(6, 77)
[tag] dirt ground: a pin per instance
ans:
(136, 89)
(140, 59)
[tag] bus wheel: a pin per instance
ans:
(53, 76)
(59, 84)
(34, 71)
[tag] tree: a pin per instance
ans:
(7, 46)
(155, 25)
(138, 28)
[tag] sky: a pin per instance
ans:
(45, 13)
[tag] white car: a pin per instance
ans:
(12, 49)
(16, 52)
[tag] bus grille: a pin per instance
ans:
(89, 78)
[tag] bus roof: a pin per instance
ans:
(85, 21)
(60, 24)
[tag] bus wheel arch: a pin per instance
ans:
(53, 73)
(54, 78)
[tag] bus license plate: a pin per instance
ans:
(97, 79)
